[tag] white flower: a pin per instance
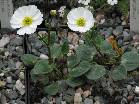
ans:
(112, 2)
(26, 18)
(80, 19)
(137, 90)
(84, 2)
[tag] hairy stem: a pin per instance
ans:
(97, 49)
(48, 46)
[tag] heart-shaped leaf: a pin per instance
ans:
(96, 72)
(56, 51)
(29, 59)
(42, 67)
(74, 82)
(52, 89)
(130, 60)
(85, 52)
(73, 60)
(83, 67)
(119, 73)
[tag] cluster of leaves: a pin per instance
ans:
(48, 72)
(86, 64)
(98, 3)
(93, 60)
(123, 7)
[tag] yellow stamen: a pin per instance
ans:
(81, 22)
(27, 21)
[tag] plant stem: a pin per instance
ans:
(48, 46)
(98, 50)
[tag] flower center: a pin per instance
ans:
(81, 22)
(27, 21)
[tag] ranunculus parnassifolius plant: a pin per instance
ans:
(26, 18)
(112, 2)
(80, 19)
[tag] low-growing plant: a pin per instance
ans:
(93, 60)
(96, 58)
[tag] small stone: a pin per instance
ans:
(81, 41)
(136, 37)
(129, 87)
(6, 53)
(127, 36)
(3, 99)
(79, 90)
(99, 100)
(44, 100)
(86, 93)
(88, 101)
(10, 85)
(58, 100)
(111, 91)
(1, 74)
(4, 41)
(77, 98)
(124, 23)
(41, 33)
(68, 98)
(137, 89)
(11, 94)
(21, 75)
(73, 38)
(2, 83)
(19, 102)
(18, 65)
(130, 98)
(20, 87)
(43, 56)
(38, 44)
(118, 31)
(120, 42)
(124, 101)
(9, 79)
(17, 41)
(63, 102)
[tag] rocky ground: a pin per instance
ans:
(12, 86)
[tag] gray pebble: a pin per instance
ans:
(18, 41)
(127, 36)
(118, 31)
(88, 101)
(9, 79)
(129, 87)
(11, 94)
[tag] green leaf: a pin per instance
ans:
(65, 48)
(53, 37)
(93, 36)
(130, 60)
(42, 67)
(73, 60)
(52, 89)
(119, 73)
(96, 72)
(106, 47)
(74, 82)
(85, 52)
(29, 59)
(83, 67)
(56, 51)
